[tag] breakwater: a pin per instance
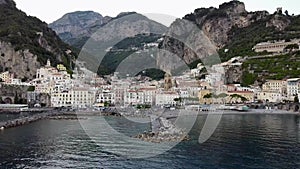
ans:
(37, 115)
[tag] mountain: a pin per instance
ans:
(230, 31)
(76, 27)
(26, 43)
(227, 31)
(123, 30)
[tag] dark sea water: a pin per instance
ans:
(240, 142)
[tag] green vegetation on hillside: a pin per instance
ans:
(122, 50)
(155, 74)
(276, 67)
(23, 32)
(242, 40)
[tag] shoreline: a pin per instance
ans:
(176, 113)
(65, 115)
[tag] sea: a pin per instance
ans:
(240, 141)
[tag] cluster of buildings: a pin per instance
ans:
(63, 91)
(8, 78)
(280, 90)
(84, 89)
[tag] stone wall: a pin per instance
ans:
(18, 94)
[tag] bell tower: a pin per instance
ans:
(167, 81)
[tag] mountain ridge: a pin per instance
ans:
(78, 26)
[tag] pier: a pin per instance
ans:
(39, 115)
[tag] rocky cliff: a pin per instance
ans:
(117, 31)
(229, 30)
(26, 43)
(22, 63)
(216, 24)
(78, 26)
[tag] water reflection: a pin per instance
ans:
(240, 141)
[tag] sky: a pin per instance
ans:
(51, 10)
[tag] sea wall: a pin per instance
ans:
(277, 106)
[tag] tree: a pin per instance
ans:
(24, 79)
(233, 96)
(178, 99)
(291, 47)
(31, 88)
(208, 96)
(223, 96)
(16, 99)
(286, 13)
(243, 99)
(296, 99)
(106, 104)
(237, 96)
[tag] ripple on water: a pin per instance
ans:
(240, 141)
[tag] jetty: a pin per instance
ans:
(38, 114)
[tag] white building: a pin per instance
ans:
(293, 88)
(277, 86)
(105, 96)
(133, 97)
(166, 98)
(5, 77)
(271, 97)
(45, 71)
(274, 47)
(76, 98)
(15, 81)
(50, 80)
(149, 94)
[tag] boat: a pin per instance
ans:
(242, 108)
(234, 107)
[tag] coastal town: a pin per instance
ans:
(150, 84)
(54, 87)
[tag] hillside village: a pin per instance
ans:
(85, 89)
(232, 82)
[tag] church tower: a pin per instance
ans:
(48, 63)
(168, 81)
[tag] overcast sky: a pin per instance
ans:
(51, 10)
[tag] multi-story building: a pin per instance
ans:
(166, 98)
(105, 96)
(45, 71)
(269, 96)
(293, 88)
(274, 47)
(61, 67)
(5, 77)
(149, 94)
(202, 97)
(133, 97)
(76, 98)
(192, 87)
(277, 86)
(50, 80)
